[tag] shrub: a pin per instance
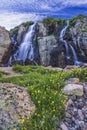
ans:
(53, 21)
(27, 23)
(15, 30)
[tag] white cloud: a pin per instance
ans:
(10, 20)
(40, 7)
(74, 2)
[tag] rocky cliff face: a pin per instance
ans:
(47, 38)
(45, 43)
(4, 42)
(15, 37)
(77, 36)
(48, 48)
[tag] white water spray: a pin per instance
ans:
(26, 48)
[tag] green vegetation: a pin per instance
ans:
(54, 20)
(52, 24)
(27, 23)
(2, 73)
(79, 17)
(45, 87)
(15, 30)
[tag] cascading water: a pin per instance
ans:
(75, 58)
(26, 49)
(62, 34)
(74, 53)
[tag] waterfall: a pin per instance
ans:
(62, 34)
(76, 62)
(74, 53)
(26, 48)
(75, 58)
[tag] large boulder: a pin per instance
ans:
(73, 89)
(15, 105)
(4, 41)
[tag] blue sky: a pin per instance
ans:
(13, 12)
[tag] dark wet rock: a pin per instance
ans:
(1, 128)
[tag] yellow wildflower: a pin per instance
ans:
(15, 129)
(22, 121)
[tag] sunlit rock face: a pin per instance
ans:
(46, 42)
(4, 41)
(16, 36)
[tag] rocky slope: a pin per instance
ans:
(76, 106)
(48, 49)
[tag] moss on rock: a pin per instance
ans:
(79, 17)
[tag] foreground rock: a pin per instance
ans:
(15, 104)
(76, 110)
(73, 89)
(72, 81)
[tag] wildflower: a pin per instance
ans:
(35, 114)
(38, 91)
(22, 121)
(38, 102)
(53, 110)
(15, 129)
(52, 102)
